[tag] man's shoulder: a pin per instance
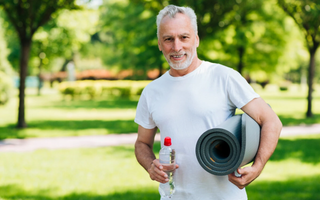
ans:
(156, 83)
(217, 69)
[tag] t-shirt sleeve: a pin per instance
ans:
(239, 91)
(143, 116)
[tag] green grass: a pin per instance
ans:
(293, 171)
(97, 173)
(291, 105)
(112, 173)
(50, 115)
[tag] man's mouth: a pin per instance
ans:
(177, 56)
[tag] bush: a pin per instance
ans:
(94, 89)
(284, 86)
(6, 86)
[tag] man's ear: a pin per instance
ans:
(159, 46)
(197, 41)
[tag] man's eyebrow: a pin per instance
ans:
(182, 34)
(166, 36)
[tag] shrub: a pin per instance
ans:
(93, 89)
(6, 86)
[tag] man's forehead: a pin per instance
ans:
(182, 16)
(180, 24)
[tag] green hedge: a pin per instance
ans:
(6, 85)
(103, 88)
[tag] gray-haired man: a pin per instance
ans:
(192, 97)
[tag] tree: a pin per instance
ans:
(306, 14)
(4, 64)
(5, 68)
(27, 16)
(64, 30)
(129, 32)
(129, 29)
(252, 41)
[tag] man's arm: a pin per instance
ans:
(145, 156)
(271, 127)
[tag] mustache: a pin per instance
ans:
(178, 54)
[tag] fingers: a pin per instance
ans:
(247, 176)
(156, 173)
(238, 181)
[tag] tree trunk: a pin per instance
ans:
(25, 46)
(240, 63)
(311, 72)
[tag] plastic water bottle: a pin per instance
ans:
(167, 159)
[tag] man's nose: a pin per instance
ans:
(177, 45)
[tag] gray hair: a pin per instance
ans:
(172, 10)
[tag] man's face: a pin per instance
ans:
(178, 41)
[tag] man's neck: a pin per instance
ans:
(194, 65)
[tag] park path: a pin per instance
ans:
(31, 144)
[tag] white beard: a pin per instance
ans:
(183, 64)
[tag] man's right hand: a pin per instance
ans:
(156, 172)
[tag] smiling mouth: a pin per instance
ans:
(178, 56)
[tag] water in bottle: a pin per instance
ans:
(167, 160)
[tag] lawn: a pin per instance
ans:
(112, 173)
(50, 115)
(291, 105)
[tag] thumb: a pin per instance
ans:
(157, 163)
(243, 171)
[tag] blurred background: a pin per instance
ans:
(77, 68)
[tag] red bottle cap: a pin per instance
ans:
(167, 141)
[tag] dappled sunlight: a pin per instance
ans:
(54, 128)
(306, 150)
(113, 173)
(288, 169)
(98, 173)
(299, 119)
(13, 191)
(294, 188)
(292, 172)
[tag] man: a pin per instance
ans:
(192, 97)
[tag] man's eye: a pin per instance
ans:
(167, 39)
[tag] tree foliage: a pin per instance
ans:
(63, 37)
(253, 36)
(129, 30)
(306, 14)
(5, 68)
(4, 51)
(243, 34)
(252, 41)
(27, 16)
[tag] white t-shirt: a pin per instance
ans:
(185, 107)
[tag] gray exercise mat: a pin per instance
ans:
(231, 145)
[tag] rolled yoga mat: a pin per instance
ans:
(233, 144)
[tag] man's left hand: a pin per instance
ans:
(248, 174)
